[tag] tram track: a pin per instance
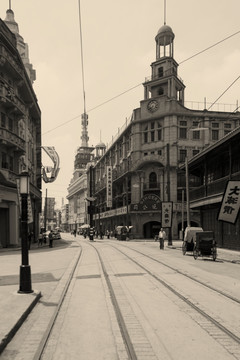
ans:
(228, 296)
(132, 352)
(210, 319)
(44, 340)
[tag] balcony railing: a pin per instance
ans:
(12, 139)
(214, 188)
(165, 74)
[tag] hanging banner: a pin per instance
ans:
(109, 186)
(30, 214)
(167, 210)
(50, 150)
(230, 202)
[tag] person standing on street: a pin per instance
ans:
(50, 236)
(162, 237)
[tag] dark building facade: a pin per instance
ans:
(20, 139)
(214, 167)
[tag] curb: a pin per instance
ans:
(20, 321)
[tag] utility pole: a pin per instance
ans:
(169, 192)
(45, 212)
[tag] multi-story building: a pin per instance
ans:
(20, 132)
(64, 218)
(214, 167)
(142, 163)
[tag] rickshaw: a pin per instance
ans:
(190, 238)
(205, 245)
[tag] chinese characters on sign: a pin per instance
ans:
(149, 202)
(109, 186)
(230, 203)
(167, 209)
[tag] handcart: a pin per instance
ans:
(190, 238)
(205, 245)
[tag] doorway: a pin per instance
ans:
(150, 229)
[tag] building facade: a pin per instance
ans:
(214, 167)
(20, 137)
(141, 168)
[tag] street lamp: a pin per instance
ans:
(25, 270)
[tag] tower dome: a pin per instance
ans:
(165, 35)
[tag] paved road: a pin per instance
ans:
(88, 314)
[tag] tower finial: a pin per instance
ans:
(165, 12)
(10, 5)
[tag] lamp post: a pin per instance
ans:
(25, 270)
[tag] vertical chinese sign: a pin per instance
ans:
(109, 186)
(230, 202)
(167, 210)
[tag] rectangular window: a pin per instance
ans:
(11, 163)
(183, 133)
(159, 152)
(145, 137)
(3, 120)
(145, 154)
(4, 160)
(152, 125)
(183, 123)
(10, 124)
(215, 125)
(196, 135)
(160, 71)
(152, 135)
(183, 154)
(215, 134)
(160, 134)
(227, 126)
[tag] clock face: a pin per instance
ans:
(152, 105)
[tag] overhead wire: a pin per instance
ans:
(130, 89)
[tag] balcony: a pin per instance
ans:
(10, 100)
(7, 60)
(12, 140)
(165, 74)
(214, 188)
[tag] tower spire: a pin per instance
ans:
(10, 5)
(165, 6)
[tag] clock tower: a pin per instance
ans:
(164, 80)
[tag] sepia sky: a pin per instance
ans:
(119, 46)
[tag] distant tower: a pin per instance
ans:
(21, 45)
(84, 152)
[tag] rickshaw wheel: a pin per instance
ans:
(184, 248)
(195, 253)
(214, 254)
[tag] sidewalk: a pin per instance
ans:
(22, 304)
(15, 307)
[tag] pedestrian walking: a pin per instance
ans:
(40, 239)
(162, 237)
(50, 237)
(30, 238)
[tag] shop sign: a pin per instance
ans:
(230, 202)
(149, 202)
(109, 186)
(30, 214)
(167, 210)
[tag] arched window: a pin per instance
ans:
(152, 180)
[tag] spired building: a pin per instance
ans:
(141, 168)
(20, 133)
(77, 190)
